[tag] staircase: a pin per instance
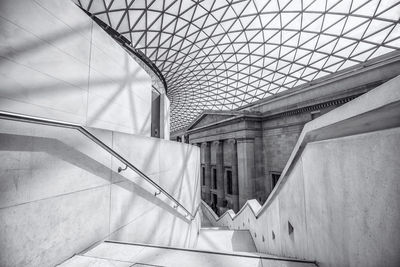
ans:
(216, 246)
(119, 254)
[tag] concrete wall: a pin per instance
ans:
(55, 62)
(339, 190)
(60, 192)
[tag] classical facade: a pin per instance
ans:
(243, 152)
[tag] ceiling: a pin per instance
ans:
(224, 54)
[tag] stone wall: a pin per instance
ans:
(266, 131)
(262, 148)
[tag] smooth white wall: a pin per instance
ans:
(60, 192)
(55, 62)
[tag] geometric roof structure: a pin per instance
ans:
(223, 54)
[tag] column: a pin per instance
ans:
(217, 160)
(205, 154)
(246, 169)
(235, 182)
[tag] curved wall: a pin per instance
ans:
(57, 63)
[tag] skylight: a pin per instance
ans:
(223, 54)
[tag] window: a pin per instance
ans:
(155, 113)
(290, 228)
(275, 177)
(315, 114)
(203, 175)
(214, 177)
(229, 182)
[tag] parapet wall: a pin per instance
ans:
(337, 201)
(62, 193)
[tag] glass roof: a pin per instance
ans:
(223, 54)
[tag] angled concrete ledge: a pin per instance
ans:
(236, 254)
(350, 132)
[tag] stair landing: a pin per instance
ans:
(118, 254)
(217, 239)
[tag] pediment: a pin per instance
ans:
(209, 118)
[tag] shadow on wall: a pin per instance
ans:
(62, 151)
(20, 49)
(125, 84)
(180, 187)
(108, 93)
(242, 241)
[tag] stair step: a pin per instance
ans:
(84, 261)
(123, 254)
(215, 228)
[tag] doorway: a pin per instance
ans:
(214, 199)
(155, 113)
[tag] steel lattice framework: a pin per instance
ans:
(223, 54)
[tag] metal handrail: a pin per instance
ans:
(43, 121)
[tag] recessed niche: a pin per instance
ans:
(290, 228)
(263, 239)
(273, 235)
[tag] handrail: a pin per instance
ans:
(37, 120)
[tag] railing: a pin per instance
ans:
(36, 120)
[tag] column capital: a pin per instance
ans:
(216, 143)
(205, 144)
(231, 141)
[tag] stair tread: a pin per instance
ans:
(83, 261)
(215, 228)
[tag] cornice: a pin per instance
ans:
(260, 118)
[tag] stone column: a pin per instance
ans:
(259, 179)
(246, 169)
(206, 162)
(219, 164)
(235, 182)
